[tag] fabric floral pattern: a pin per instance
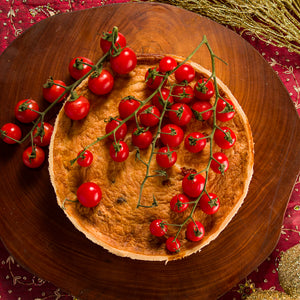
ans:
(16, 283)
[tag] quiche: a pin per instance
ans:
(117, 223)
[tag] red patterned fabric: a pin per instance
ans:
(16, 283)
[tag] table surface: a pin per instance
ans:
(17, 283)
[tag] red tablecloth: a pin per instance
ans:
(16, 283)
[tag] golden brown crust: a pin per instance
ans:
(116, 223)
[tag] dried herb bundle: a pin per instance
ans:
(274, 21)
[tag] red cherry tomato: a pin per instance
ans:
(85, 158)
(185, 73)
(33, 157)
(89, 194)
(78, 67)
(158, 227)
(106, 41)
(179, 203)
(54, 89)
(10, 133)
(128, 106)
(180, 114)
(125, 62)
(220, 163)
(195, 142)
(153, 78)
(42, 134)
(224, 137)
(101, 83)
(149, 115)
(171, 135)
(173, 244)
(202, 110)
(121, 131)
(119, 151)
(195, 231)
(141, 138)
(166, 157)
(26, 110)
(193, 184)
(203, 89)
(225, 110)
(161, 97)
(77, 109)
(167, 64)
(210, 203)
(183, 94)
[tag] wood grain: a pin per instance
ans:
(34, 228)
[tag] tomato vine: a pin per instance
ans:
(180, 92)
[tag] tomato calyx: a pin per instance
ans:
(97, 72)
(193, 141)
(228, 108)
(212, 201)
(178, 111)
(40, 131)
(73, 96)
(50, 83)
(201, 87)
(79, 64)
(32, 155)
(139, 130)
(26, 105)
(112, 41)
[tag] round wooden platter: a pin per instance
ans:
(36, 231)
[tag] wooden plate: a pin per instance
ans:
(34, 228)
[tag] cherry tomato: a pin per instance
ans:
(26, 110)
(173, 244)
(106, 41)
(180, 114)
(202, 110)
(171, 135)
(141, 138)
(77, 109)
(153, 78)
(193, 184)
(33, 157)
(225, 110)
(195, 142)
(101, 83)
(158, 227)
(85, 158)
(121, 131)
(42, 134)
(167, 64)
(89, 194)
(179, 203)
(149, 115)
(210, 203)
(78, 67)
(224, 137)
(125, 62)
(12, 131)
(119, 151)
(54, 89)
(128, 106)
(166, 157)
(161, 97)
(203, 89)
(183, 94)
(220, 163)
(195, 231)
(185, 73)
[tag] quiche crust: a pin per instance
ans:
(116, 223)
